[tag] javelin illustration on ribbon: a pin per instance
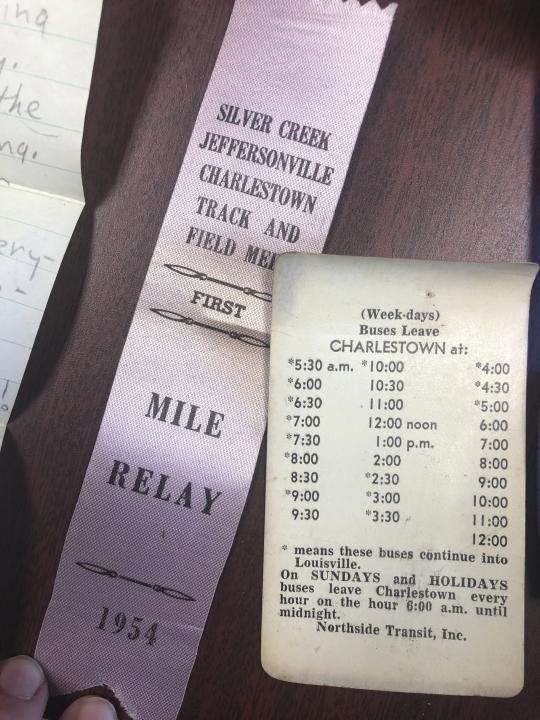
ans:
(197, 275)
(169, 592)
(242, 337)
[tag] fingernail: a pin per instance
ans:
(21, 677)
(94, 708)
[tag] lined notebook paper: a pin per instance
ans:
(46, 59)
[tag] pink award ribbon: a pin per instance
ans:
(173, 461)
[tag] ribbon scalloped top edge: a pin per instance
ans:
(378, 6)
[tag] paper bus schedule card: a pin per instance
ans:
(395, 497)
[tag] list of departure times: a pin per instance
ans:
(396, 473)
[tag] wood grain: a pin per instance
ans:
(446, 166)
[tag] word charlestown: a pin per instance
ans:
(145, 482)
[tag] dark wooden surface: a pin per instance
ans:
(444, 168)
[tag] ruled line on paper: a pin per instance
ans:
(36, 162)
(12, 342)
(48, 34)
(38, 193)
(36, 227)
(8, 380)
(28, 264)
(18, 302)
(44, 77)
(41, 122)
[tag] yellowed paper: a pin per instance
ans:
(394, 542)
(46, 58)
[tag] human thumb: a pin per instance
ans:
(23, 690)
(90, 708)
